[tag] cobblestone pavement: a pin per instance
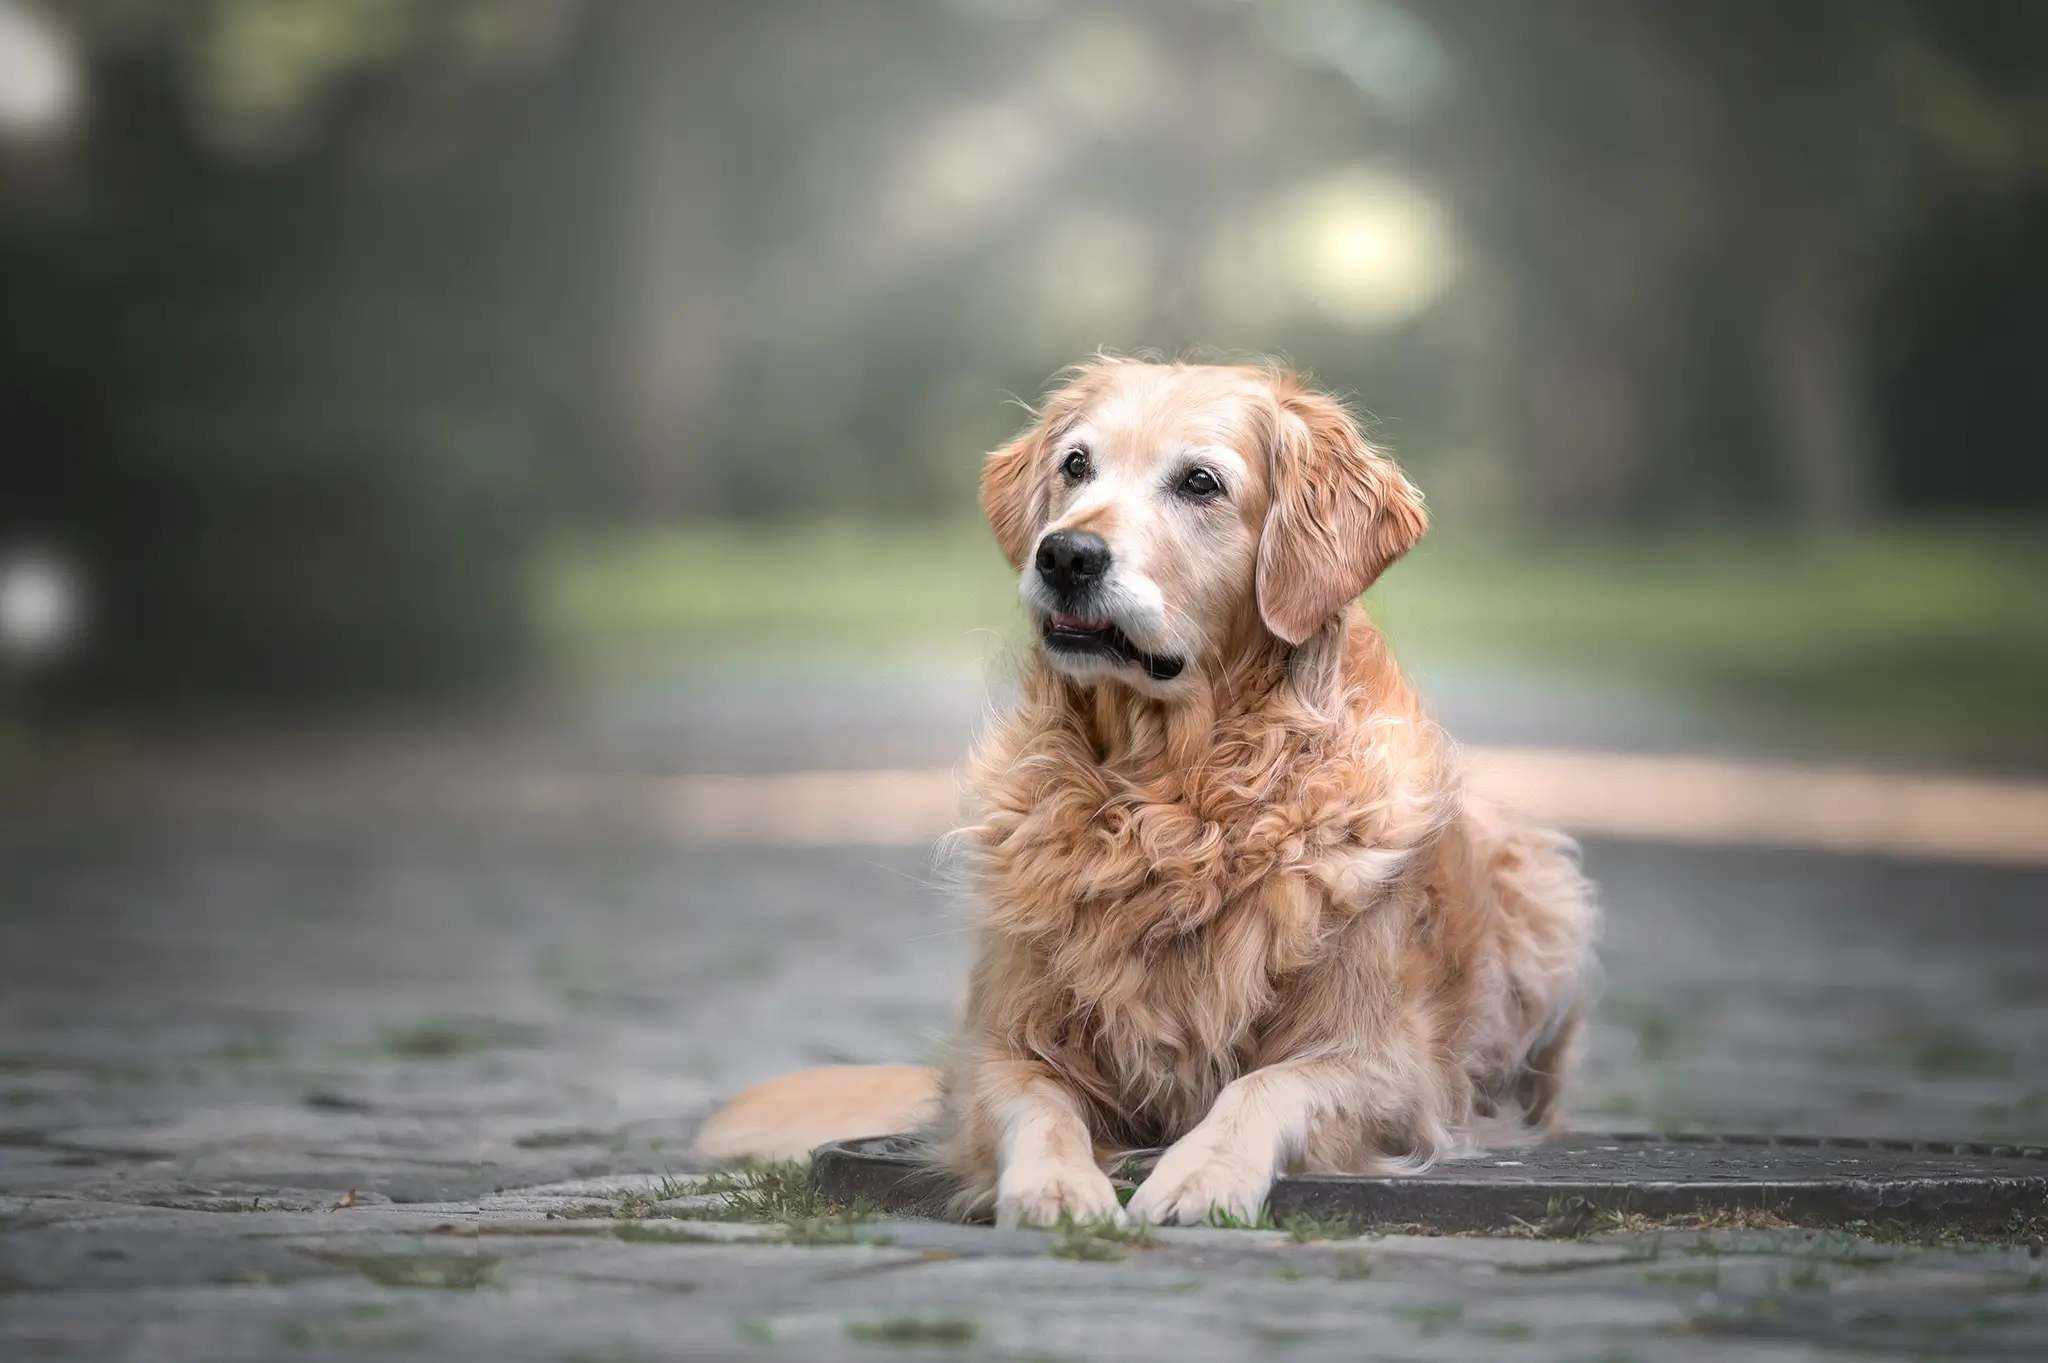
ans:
(483, 1036)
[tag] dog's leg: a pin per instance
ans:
(1045, 1157)
(1257, 1127)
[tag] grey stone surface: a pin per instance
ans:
(348, 1079)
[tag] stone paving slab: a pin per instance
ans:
(352, 1284)
(488, 1038)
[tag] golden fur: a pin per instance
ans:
(777, 1119)
(1248, 912)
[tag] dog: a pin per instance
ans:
(1234, 897)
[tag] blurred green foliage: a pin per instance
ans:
(1912, 644)
(1922, 643)
(324, 317)
(805, 593)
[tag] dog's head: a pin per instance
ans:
(1165, 518)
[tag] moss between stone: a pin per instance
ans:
(900, 1330)
(445, 1272)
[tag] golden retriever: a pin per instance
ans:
(1234, 897)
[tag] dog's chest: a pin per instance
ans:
(1167, 1026)
(1164, 926)
(1153, 932)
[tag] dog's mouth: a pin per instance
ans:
(1090, 636)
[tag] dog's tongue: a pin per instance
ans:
(1082, 623)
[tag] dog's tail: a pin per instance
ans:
(786, 1118)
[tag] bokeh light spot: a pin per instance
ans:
(41, 605)
(38, 73)
(1369, 250)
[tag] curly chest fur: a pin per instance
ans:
(1161, 895)
(1155, 947)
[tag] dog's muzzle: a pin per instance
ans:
(1072, 566)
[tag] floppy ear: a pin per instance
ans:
(1339, 513)
(1014, 493)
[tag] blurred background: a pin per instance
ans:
(448, 449)
(357, 350)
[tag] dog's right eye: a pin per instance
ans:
(1075, 466)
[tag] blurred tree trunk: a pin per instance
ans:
(677, 255)
(1616, 155)
(1816, 394)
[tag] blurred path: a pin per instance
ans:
(752, 722)
(1680, 799)
(220, 1017)
(818, 762)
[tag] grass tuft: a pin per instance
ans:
(1226, 1220)
(1304, 1230)
(765, 1190)
(1099, 1240)
(1575, 1218)
(627, 1204)
(913, 1330)
(1566, 1218)
(670, 1188)
(1735, 1218)
(1431, 1320)
(440, 1039)
(762, 1192)
(2021, 1228)
(1956, 1055)
(841, 1228)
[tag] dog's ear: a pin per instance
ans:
(1339, 513)
(1015, 493)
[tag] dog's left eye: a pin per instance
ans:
(1200, 484)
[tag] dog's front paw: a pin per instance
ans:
(1193, 1184)
(1044, 1195)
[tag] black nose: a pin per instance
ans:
(1069, 561)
